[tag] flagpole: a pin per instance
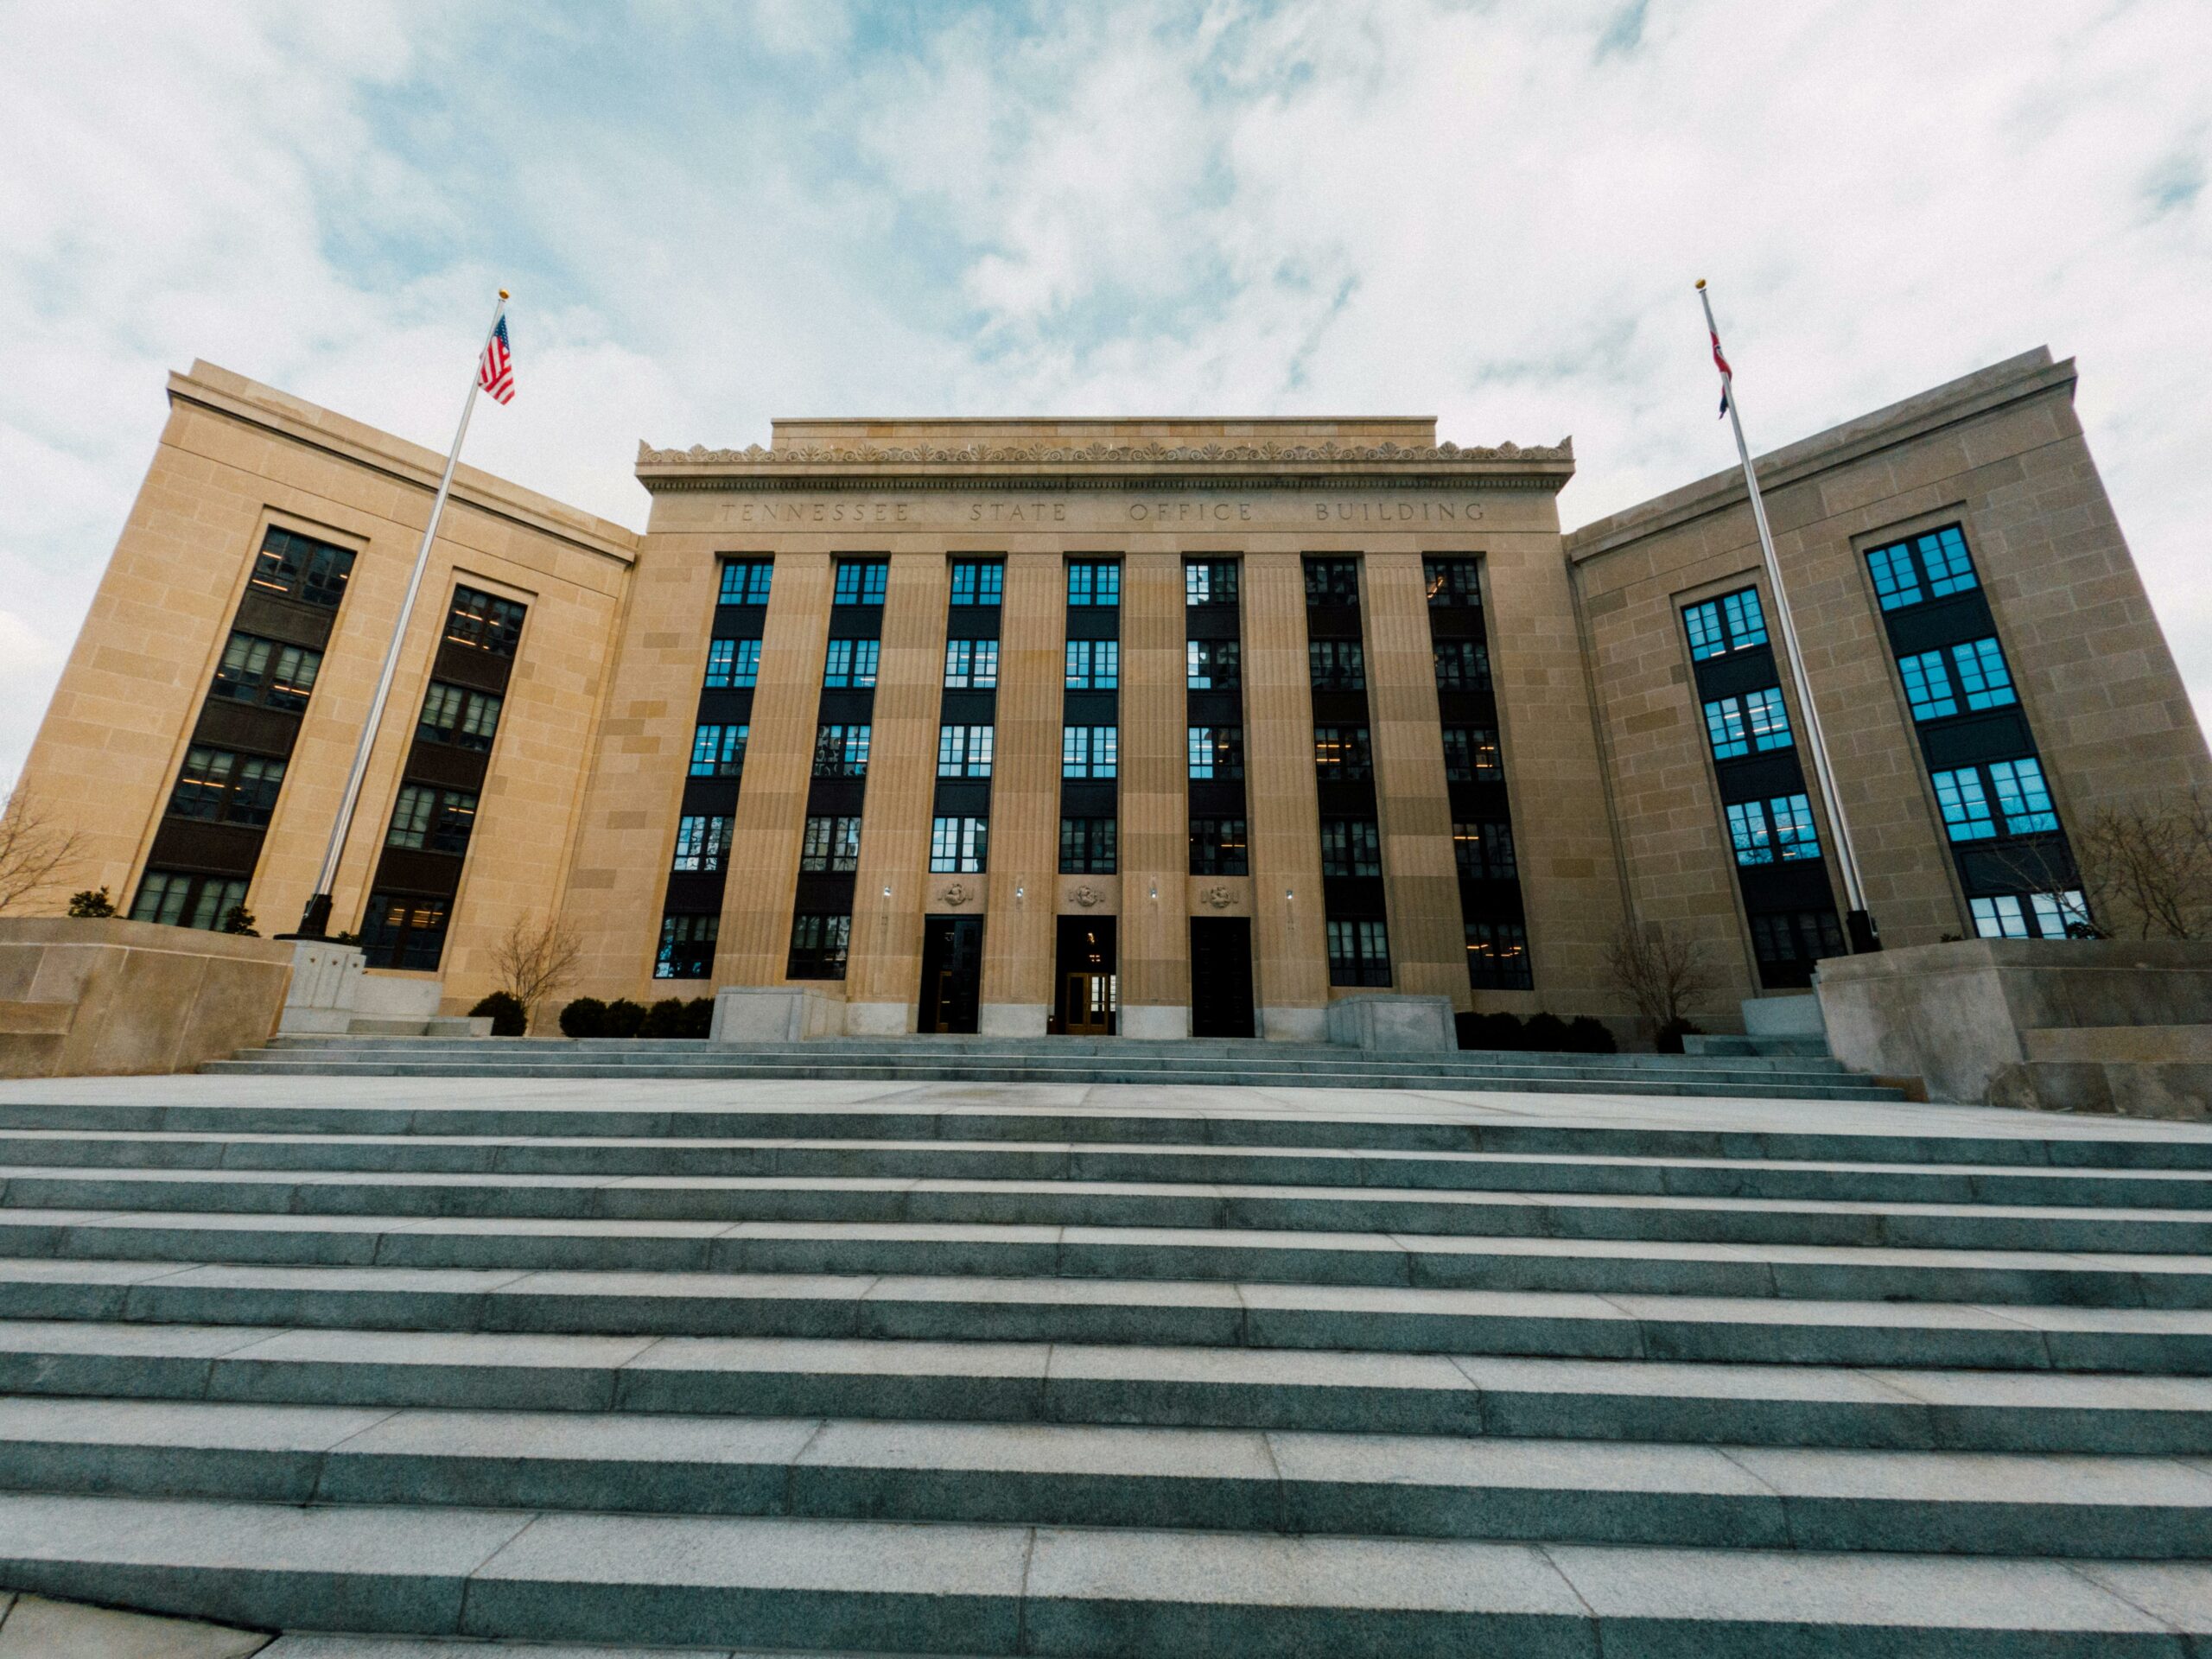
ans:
(1860, 922)
(314, 921)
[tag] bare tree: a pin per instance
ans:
(1664, 976)
(37, 853)
(2146, 870)
(535, 959)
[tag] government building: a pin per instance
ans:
(1162, 728)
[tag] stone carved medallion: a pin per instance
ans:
(1086, 895)
(1219, 898)
(955, 894)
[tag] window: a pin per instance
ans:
(1217, 847)
(2023, 796)
(1094, 664)
(971, 665)
(978, 582)
(1982, 674)
(1333, 582)
(1928, 685)
(745, 582)
(818, 945)
(1796, 936)
(2032, 915)
(702, 845)
(1724, 724)
(830, 845)
(1086, 846)
(484, 622)
(1925, 567)
(298, 567)
(1471, 755)
(963, 751)
(1765, 830)
(1094, 582)
(851, 663)
(1452, 584)
(687, 947)
(718, 751)
(1342, 752)
(1965, 804)
(732, 664)
(181, 899)
(222, 786)
(1462, 665)
(457, 715)
(1088, 751)
(860, 582)
(1337, 664)
(428, 820)
(960, 844)
(1209, 581)
(1758, 720)
(2023, 800)
(404, 930)
(1732, 622)
(1350, 847)
(1210, 665)
(1498, 956)
(267, 672)
(1484, 852)
(841, 751)
(1216, 752)
(1359, 953)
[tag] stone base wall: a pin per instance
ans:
(86, 998)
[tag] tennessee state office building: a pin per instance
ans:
(1166, 728)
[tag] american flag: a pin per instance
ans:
(1719, 362)
(496, 373)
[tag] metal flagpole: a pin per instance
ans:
(314, 921)
(1860, 922)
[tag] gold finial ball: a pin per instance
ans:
(1700, 281)
(503, 292)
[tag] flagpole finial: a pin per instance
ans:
(503, 292)
(1701, 282)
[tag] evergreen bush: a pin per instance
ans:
(509, 1017)
(625, 1018)
(585, 1017)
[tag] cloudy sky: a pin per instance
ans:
(714, 214)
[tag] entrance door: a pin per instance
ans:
(1087, 995)
(952, 972)
(1221, 976)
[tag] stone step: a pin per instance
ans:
(1493, 1396)
(935, 1113)
(1852, 1273)
(1178, 1313)
(1002, 1589)
(1036, 1160)
(1258, 1481)
(1453, 1213)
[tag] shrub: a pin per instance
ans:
(1547, 1032)
(665, 1019)
(1668, 1038)
(92, 902)
(1489, 1030)
(1588, 1036)
(585, 1017)
(508, 1019)
(698, 1018)
(623, 1018)
(240, 920)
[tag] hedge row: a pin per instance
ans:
(670, 1017)
(1544, 1031)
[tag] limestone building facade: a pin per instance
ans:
(1158, 727)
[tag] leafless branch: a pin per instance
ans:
(536, 958)
(1664, 976)
(37, 853)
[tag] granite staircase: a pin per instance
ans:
(1163, 1373)
(1199, 1063)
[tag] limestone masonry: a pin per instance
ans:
(1163, 727)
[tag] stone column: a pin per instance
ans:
(1155, 835)
(1290, 960)
(1024, 800)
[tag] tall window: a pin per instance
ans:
(485, 622)
(1471, 755)
(1333, 582)
(851, 663)
(466, 719)
(860, 582)
(186, 898)
(959, 843)
(1484, 852)
(1216, 752)
(963, 751)
(223, 786)
(1089, 751)
(732, 664)
(976, 582)
(1217, 847)
(1094, 582)
(428, 820)
(1210, 665)
(745, 582)
(1498, 956)
(1454, 584)
(1732, 622)
(971, 665)
(1209, 581)
(830, 845)
(687, 947)
(818, 945)
(1921, 568)
(404, 930)
(1359, 953)
(1462, 665)
(1337, 664)
(1350, 847)
(1342, 753)
(1737, 726)
(1938, 681)
(1094, 664)
(702, 843)
(2003, 797)
(293, 566)
(1086, 846)
(718, 751)
(841, 751)
(1780, 828)
(267, 672)
(1796, 936)
(2031, 915)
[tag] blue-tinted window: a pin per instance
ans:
(2022, 796)
(1928, 685)
(1982, 674)
(718, 751)
(977, 582)
(745, 582)
(1094, 582)
(687, 947)
(1089, 751)
(733, 664)
(1763, 831)
(1724, 724)
(1094, 664)
(1965, 804)
(1732, 622)
(1925, 567)
(1793, 834)
(860, 582)
(851, 663)
(1768, 719)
